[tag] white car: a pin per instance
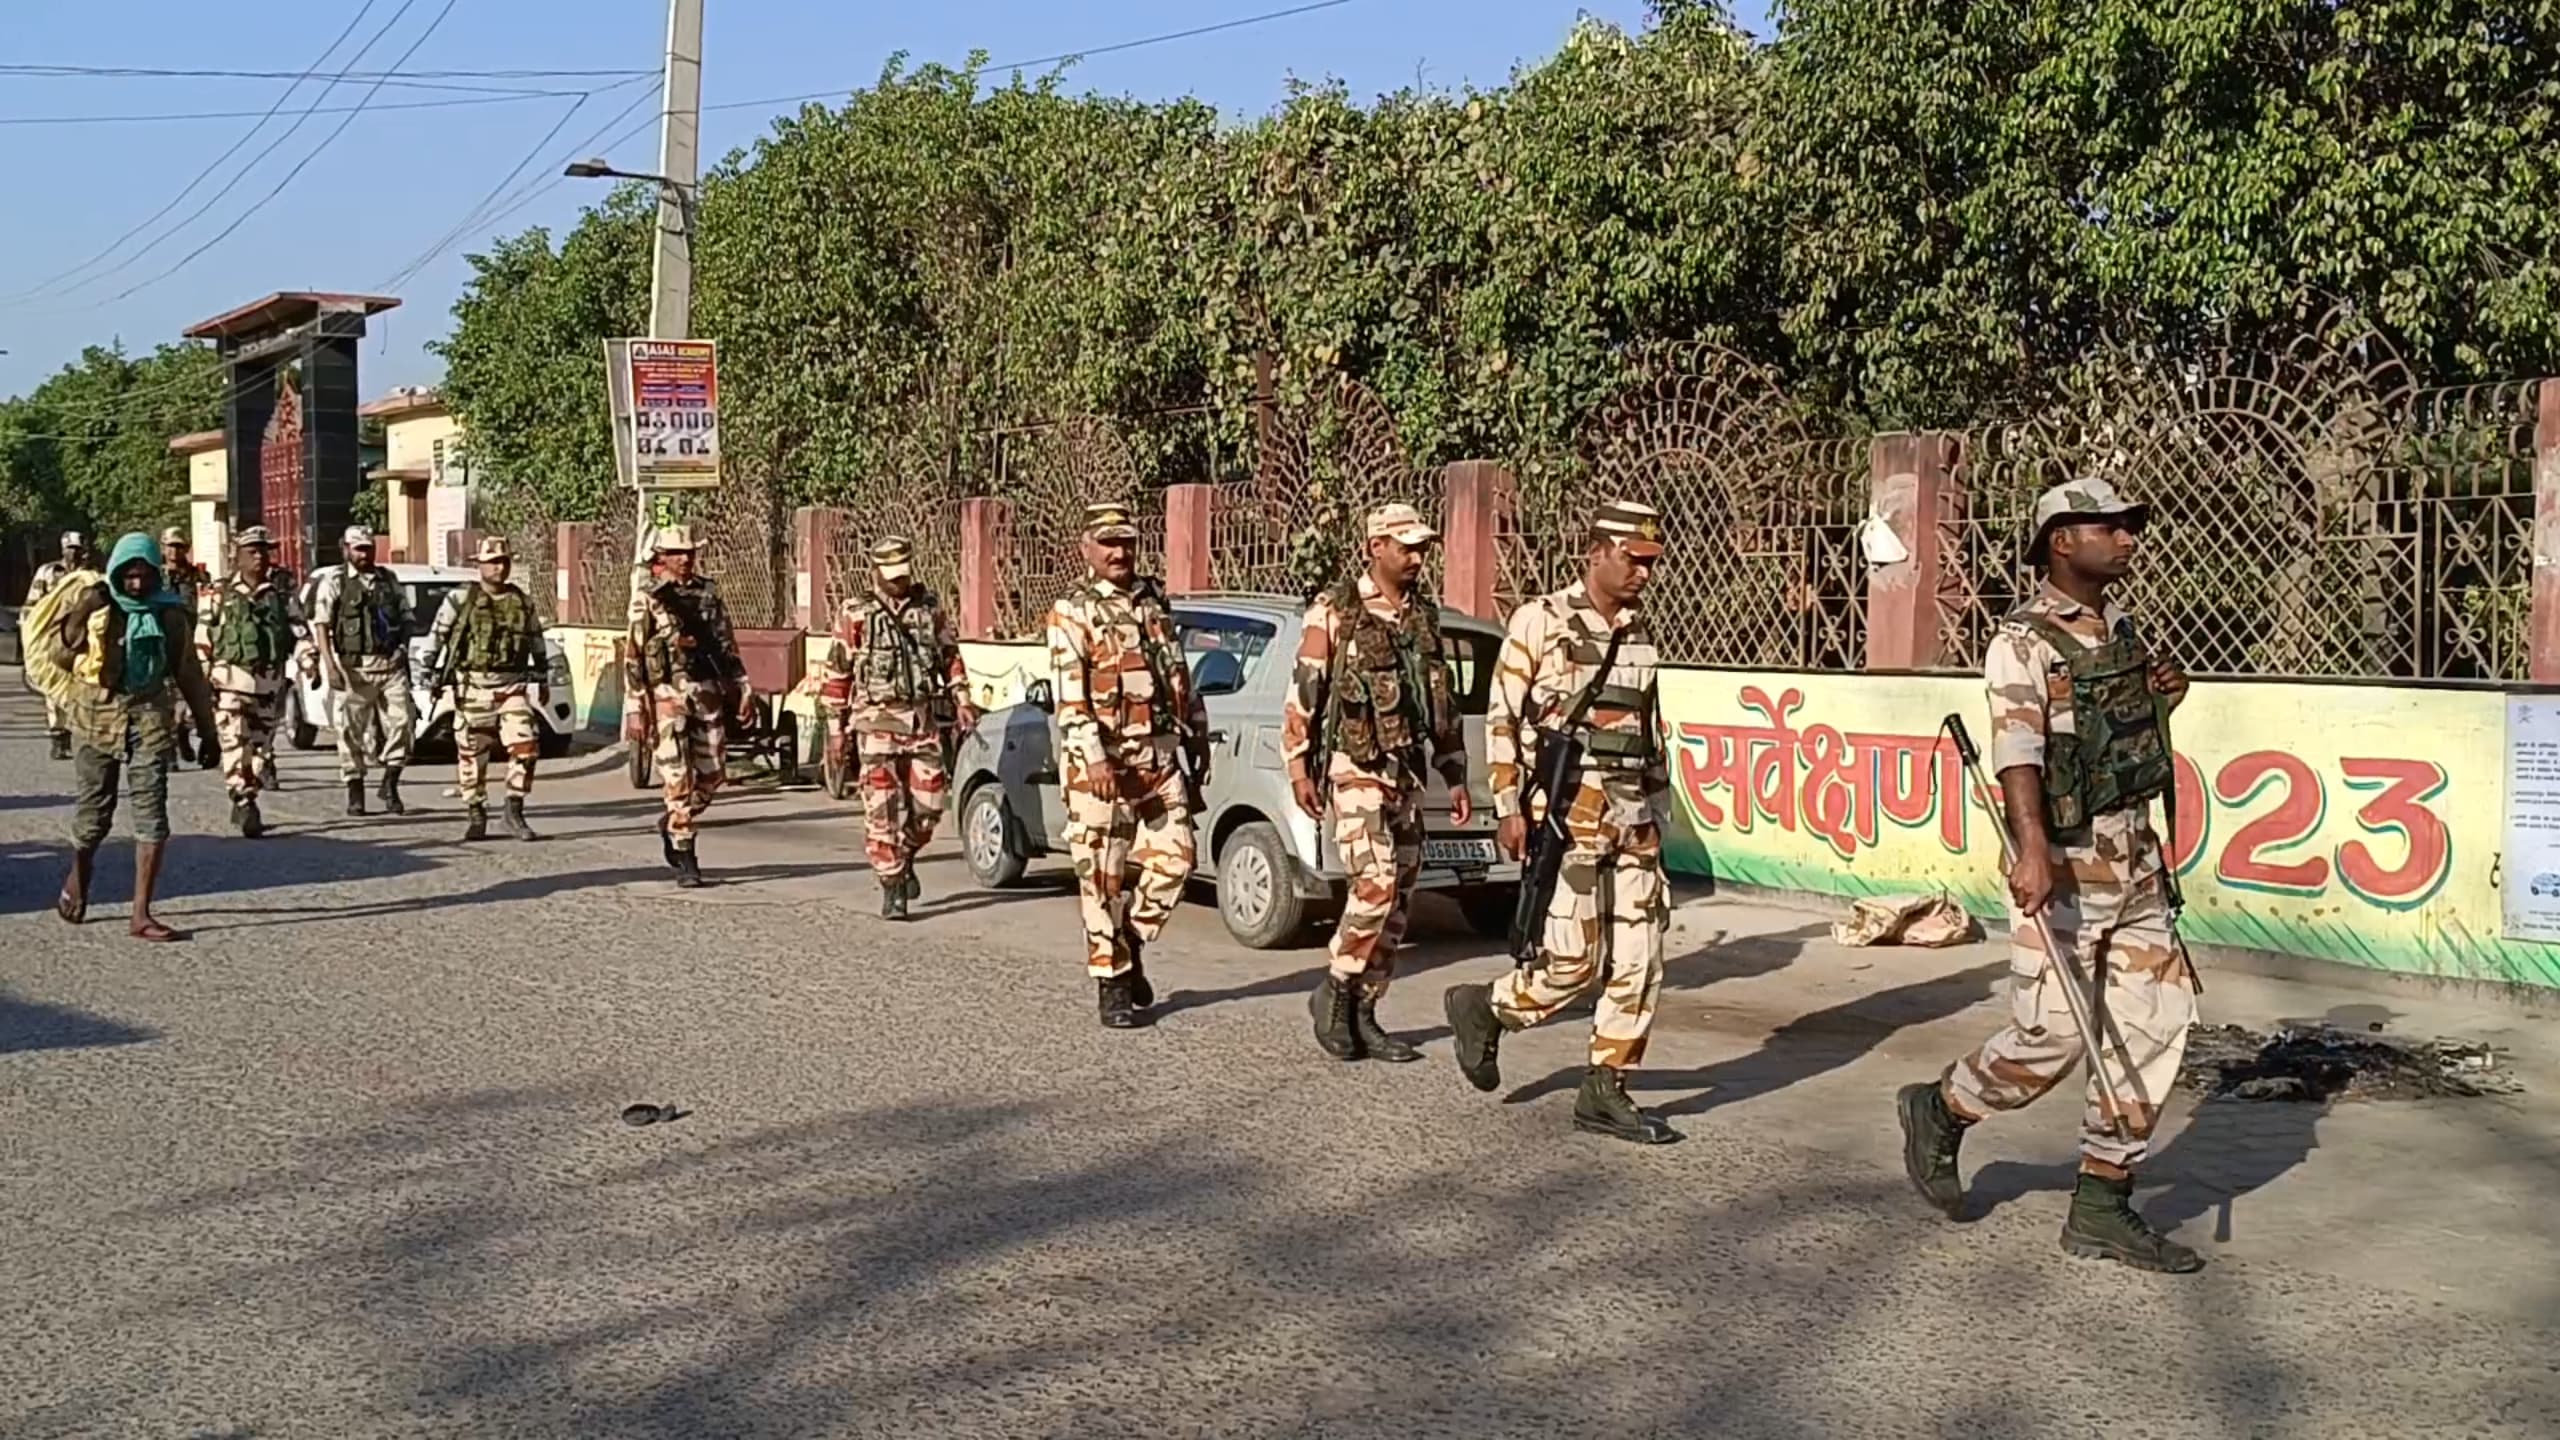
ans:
(311, 707)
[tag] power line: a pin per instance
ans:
(509, 98)
(454, 234)
(1194, 32)
(331, 139)
(141, 72)
(217, 163)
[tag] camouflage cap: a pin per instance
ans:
(1630, 523)
(673, 540)
(1401, 523)
(72, 540)
(2078, 502)
(255, 535)
(357, 537)
(174, 535)
(1109, 520)
(492, 547)
(894, 557)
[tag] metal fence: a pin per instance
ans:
(2313, 513)
(1324, 457)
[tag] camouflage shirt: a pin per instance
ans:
(1551, 652)
(2030, 689)
(852, 637)
(1118, 672)
(672, 653)
(48, 575)
(1302, 716)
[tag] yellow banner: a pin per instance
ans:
(2354, 823)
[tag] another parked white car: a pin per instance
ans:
(311, 706)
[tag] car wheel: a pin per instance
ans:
(553, 743)
(1256, 896)
(636, 762)
(299, 731)
(986, 837)
(839, 772)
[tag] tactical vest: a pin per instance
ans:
(689, 648)
(2118, 757)
(365, 624)
(251, 630)
(1388, 692)
(497, 634)
(897, 664)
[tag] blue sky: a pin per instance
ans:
(395, 182)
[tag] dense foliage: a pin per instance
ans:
(89, 448)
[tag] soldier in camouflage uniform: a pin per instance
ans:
(186, 579)
(75, 557)
(487, 643)
(360, 622)
(685, 659)
(255, 625)
(896, 661)
(2079, 736)
(1127, 713)
(1368, 704)
(1605, 925)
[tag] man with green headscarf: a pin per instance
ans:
(129, 646)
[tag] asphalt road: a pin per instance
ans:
(348, 1164)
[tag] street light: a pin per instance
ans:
(598, 168)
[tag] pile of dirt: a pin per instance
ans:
(2321, 1063)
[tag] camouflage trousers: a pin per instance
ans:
(55, 721)
(904, 785)
(1377, 825)
(245, 723)
(486, 716)
(1132, 854)
(1604, 927)
(376, 695)
(2119, 934)
(692, 753)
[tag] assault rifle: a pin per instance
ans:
(1554, 777)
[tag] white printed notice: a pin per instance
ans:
(2529, 868)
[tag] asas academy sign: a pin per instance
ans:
(674, 390)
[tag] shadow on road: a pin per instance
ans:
(37, 1025)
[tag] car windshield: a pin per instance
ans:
(426, 597)
(1471, 659)
(1247, 639)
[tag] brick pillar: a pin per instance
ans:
(1476, 498)
(2544, 660)
(1187, 509)
(986, 532)
(814, 529)
(570, 539)
(1914, 488)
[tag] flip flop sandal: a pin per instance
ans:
(72, 912)
(155, 933)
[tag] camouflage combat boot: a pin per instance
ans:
(2103, 1225)
(515, 819)
(688, 869)
(475, 823)
(245, 818)
(1119, 1012)
(667, 845)
(355, 797)
(1330, 1006)
(1142, 991)
(1375, 1042)
(61, 745)
(893, 899)
(1475, 1034)
(1602, 1108)
(1931, 1134)
(908, 882)
(390, 792)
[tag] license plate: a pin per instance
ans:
(1471, 854)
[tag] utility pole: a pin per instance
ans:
(679, 173)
